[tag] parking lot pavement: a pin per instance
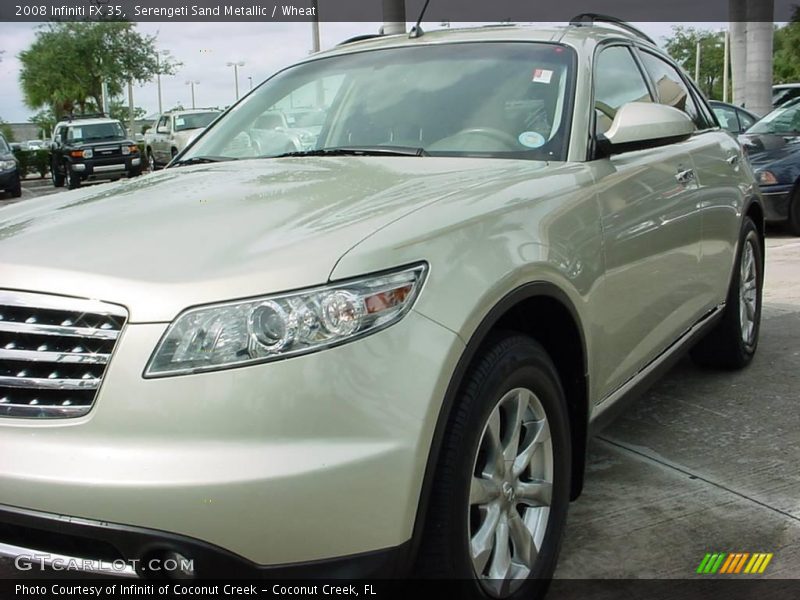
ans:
(704, 462)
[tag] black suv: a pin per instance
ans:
(92, 147)
(9, 170)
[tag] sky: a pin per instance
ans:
(204, 49)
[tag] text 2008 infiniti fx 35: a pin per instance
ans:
(383, 354)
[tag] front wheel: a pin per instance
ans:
(151, 160)
(501, 492)
(16, 191)
(56, 176)
(73, 179)
(733, 342)
(793, 224)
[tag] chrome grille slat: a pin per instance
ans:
(69, 358)
(90, 333)
(26, 410)
(63, 303)
(53, 353)
(40, 383)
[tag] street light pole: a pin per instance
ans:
(236, 66)
(250, 79)
(697, 62)
(193, 83)
(726, 68)
(158, 77)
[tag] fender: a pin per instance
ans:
(524, 292)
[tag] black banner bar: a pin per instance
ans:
(700, 588)
(372, 10)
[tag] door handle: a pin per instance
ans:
(733, 160)
(685, 176)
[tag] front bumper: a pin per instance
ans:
(306, 459)
(776, 202)
(9, 179)
(39, 542)
(106, 167)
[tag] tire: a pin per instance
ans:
(733, 342)
(73, 180)
(513, 372)
(793, 224)
(151, 160)
(134, 172)
(16, 191)
(57, 178)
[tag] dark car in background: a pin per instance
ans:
(733, 118)
(784, 92)
(773, 146)
(92, 147)
(9, 170)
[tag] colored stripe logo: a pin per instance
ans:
(734, 563)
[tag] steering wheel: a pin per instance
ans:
(490, 132)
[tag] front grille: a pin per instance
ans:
(53, 353)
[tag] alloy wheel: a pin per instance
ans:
(510, 492)
(748, 292)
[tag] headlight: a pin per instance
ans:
(88, 153)
(6, 165)
(263, 329)
(766, 178)
(126, 150)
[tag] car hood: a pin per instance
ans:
(187, 135)
(192, 235)
(102, 143)
(766, 148)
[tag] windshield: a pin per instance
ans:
(783, 120)
(509, 100)
(194, 120)
(95, 132)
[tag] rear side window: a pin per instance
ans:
(727, 118)
(671, 88)
(617, 81)
(746, 120)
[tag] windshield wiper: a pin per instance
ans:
(358, 151)
(196, 160)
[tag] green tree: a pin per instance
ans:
(45, 120)
(682, 46)
(786, 66)
(120, 111)
(7, 132)
(66, 65)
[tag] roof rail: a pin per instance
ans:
(592, 18)
(359, 38)
(86, 116)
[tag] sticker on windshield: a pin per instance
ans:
(179, 122)
(531, 139)
(542, 76)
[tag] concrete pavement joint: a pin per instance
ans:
(686, 471)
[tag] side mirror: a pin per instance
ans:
(640, 125)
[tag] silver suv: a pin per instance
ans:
(383, 354)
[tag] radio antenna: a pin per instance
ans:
(416, 30)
